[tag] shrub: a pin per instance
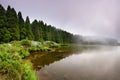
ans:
(10, 66)
(23, 53)
(11, 63)
(26, 42)
(13, 68)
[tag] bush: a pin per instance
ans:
(26, 42)
(23, 53)
(11, 63)
(10, 66)
(51, 44)
(13, 68)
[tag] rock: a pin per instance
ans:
(35, 43)
(45, 73)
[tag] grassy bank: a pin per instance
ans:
(12, 64)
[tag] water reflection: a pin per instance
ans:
(42, 59)
(99, 64)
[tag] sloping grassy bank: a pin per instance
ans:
(12, 64)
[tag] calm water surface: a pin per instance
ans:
(95, 64)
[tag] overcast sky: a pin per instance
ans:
(85, 17)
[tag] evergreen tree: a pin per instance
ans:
(4, 33)
(2, 16)
(45, 31)
(48, 33)
(59, 35)
(12, 23)
(42, 33)
(29, 33)
(40, 29)
(35, 30)
(21, 26)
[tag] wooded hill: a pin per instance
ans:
(14, 27)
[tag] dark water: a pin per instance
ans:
(95, 64)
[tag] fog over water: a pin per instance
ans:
(102, 64)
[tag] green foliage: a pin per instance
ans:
(21, 26)
(36, 30)
(23, 53)
(29, 33)
(2, 16)
(28, 73)
(51, 44)
(10, 66)
(11, 62)
(26, 42)
(4, 35)
(42, 41)
(12, 23)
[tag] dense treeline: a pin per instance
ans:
(14, 27)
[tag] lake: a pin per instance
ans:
(101, 63)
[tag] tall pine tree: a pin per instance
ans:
(12, 23)
(36, 30)
(2, 16)
(21, 26)
(4, 33)
(29, 33)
